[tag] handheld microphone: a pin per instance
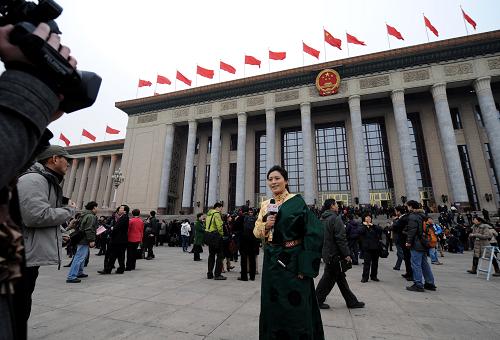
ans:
(272, 209)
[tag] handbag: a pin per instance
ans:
(382, 250)
(212, 238)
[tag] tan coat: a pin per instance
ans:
(481, 236)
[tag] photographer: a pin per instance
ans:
(28, 103)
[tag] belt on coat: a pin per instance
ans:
(287, 244)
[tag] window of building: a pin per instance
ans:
(197, 146)
(331, 158)
(234, 142)
(205, 194)
(209, 145)
(232, 187)
(468, 176)
(492, 171)
(260, 162)
(377, 154)
(418, 150)
(292, 156)
(455, 118)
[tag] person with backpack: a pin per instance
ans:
(249, 246)
(430, 233)
(419, 249)
(214, 226)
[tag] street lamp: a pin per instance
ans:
(117, 179)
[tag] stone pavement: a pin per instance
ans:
(170, 298)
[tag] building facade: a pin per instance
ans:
(420, 123)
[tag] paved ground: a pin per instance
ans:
(169, 298)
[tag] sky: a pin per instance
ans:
(124, 41)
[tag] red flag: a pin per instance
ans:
(204, 72)
(277, 55)
(394, 32)
(182, 78)
(64, 139)
(353, 40)
(227, 67)
(162, 80)
(111, 131)
(144, 83)
(87, 134)
(469, 19)
(309, 50)
(430, 27)
(249, 60)
(332, 40)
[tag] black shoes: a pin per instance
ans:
(241, 279)
(324, 306)
(103, 272)
(395, 268)
(358, 304)
(210, 276)
(73, 281)
(220, 277)
(428, 286)
(364, 280)
(415, 288)
(82, 276)
(375, 279)
(67, 265)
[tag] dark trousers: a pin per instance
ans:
(116, 251)
(371, 262)
(354, 247)
(150, 242)
(331, 275)
(247, 257)
(407, 260)
(197, 249)
(23, 299)
(212, 252)
(131, 255)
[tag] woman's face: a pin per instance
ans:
(276, 182)
(475, 221)
(368, 219)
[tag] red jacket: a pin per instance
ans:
(135, 229)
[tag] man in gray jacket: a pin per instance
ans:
(335, 249)
(42, 212)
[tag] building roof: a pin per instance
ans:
(434, 52)
(111, 145)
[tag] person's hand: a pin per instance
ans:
(348, 259)
(300, 276)
(408, 245)
(72, 204)
(92, 244)
(271, 219)
(65, 238)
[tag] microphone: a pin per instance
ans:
(272, 209)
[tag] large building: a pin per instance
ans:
(419, 122)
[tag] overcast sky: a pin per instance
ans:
(124, 40)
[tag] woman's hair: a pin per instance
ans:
(480, 219)
(327, 204)
(413, 204)
(367, 214)
(282, 172)
(136, 212)
(199, 215)
(126, 208)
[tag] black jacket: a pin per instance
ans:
(415, 230)
(400, 227)
(119, 234)
(334, 242)
(370, 237)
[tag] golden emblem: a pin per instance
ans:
(328, 82)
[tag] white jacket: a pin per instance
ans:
(185, 228)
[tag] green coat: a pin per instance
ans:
(88, 225)
(289, 308)
(199, 233)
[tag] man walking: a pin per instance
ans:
(42, 212)
(214, 223)
(118, 243)
(335, 249)
(87, 228)
(419, 263)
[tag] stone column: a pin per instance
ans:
(449, 144)
(307, 147)
(109, 181)
(270, 137)
(97, 176)
(241, 159)
(214, 162)
(188, 169)
(72, 175)
(165, 170)
(83, 182)
(359, 150)
(409, 172)
(489, 113)
(213, 180)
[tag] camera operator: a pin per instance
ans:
(28, 103)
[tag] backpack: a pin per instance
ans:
(249, 225)
(429, 238)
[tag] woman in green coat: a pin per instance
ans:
(293, 239)
(199, 232)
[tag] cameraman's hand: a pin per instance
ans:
(9, 52)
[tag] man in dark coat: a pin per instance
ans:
(249, 247)
(118, 243)
(334, 249)
(353, 231)
(418, 250)
(400, 228)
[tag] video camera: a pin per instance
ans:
(79, 88)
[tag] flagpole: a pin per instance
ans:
(137, 92)
(388, 40)
(465, 24)
(347, 44)
(175, 84)
(105, 132)
(426, 31)
(324, 43)
(80, 142)
(268, 61)
(303, 62)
